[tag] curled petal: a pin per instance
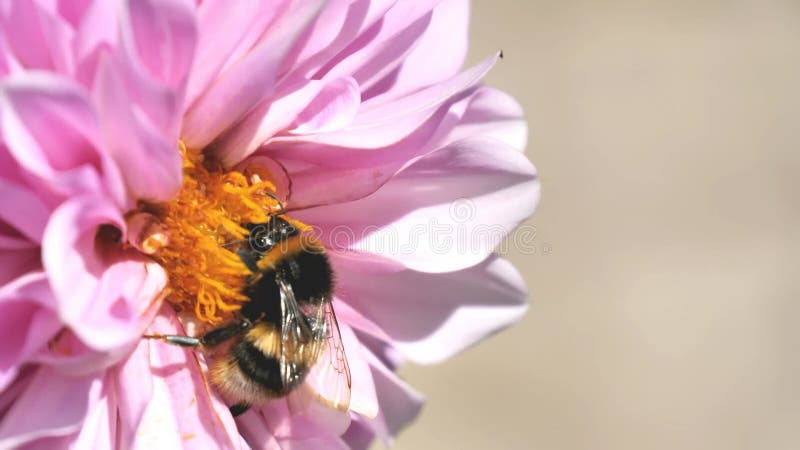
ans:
(102, 292)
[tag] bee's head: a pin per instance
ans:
(265, 236)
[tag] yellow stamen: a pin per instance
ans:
(205, 274)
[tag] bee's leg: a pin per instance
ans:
(220, 335)
(248, 260)
(210, 339)
(239, 409)
(183, 341)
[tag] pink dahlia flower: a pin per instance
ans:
(127, 127)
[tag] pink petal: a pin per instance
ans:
(227, 33)
(160, 35)
(328, 442)
(52, 130)
(385, 124)
(278, 114)
(355, 320)
(38, 38)
(70, 254)
(316, 421)
(445, 212)
(363, 399)
(26, 325)
(23, 210)
(399, 404)
(247, 82)
(99, 428)
(332, 109)
(338, 25)
(58, 413)
(255, 431)
(102, 292)
(436, 56)
(360, 434)
(139, 90)
(8, 62)
(72, 10)
(71, 356)
(132, 387)
(382, 47)
(97, 32)
(150, 156)
(11, 240)
(430, 317)
(182, 413)
(10, 393)
(492, 114)
(324, 175)
(18, 261)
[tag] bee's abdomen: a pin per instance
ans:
(264, 369)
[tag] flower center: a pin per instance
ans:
(193, 236)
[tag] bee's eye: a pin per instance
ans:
(261, 242)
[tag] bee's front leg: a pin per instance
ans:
(174, 339)
(220, 335)
(210, 339)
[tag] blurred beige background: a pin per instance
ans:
(664, 315)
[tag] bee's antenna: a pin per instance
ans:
(283, 209)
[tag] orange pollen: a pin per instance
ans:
(193, 235)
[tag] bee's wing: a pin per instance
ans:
(297, 342)
(329, 378)
(313, 335)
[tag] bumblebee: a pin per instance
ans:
(286, 335)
